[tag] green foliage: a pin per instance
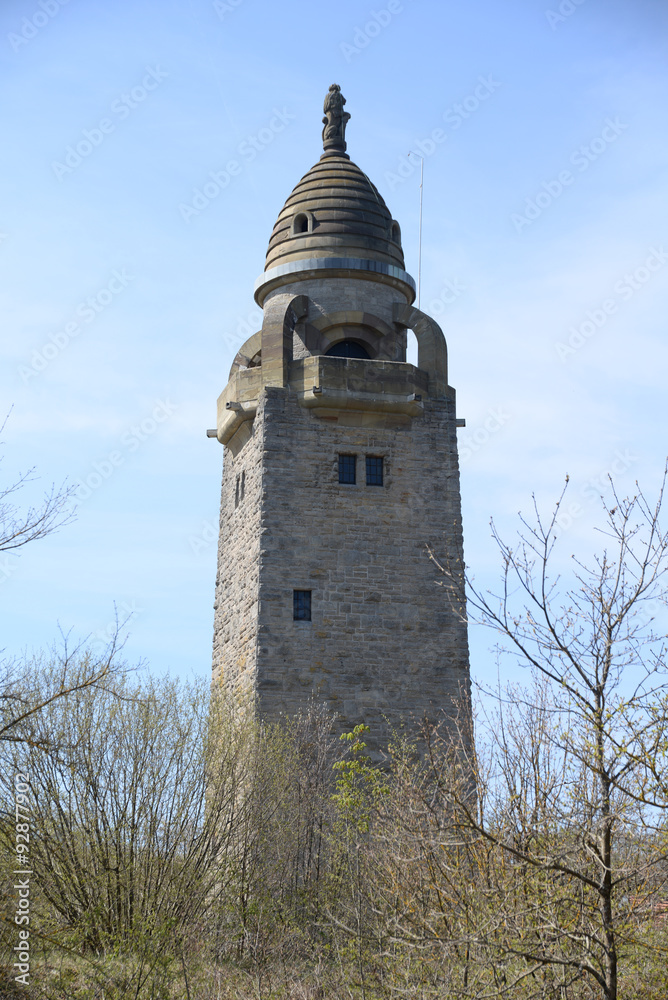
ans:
(359, 784)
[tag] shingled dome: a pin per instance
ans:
(335, 211)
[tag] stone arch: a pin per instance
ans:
(281, 314)
(302, 223)
(249, 354)
(432, 349)
(348, 324)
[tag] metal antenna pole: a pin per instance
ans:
(420, 232)
(421, 158)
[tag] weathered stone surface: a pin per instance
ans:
(345, 213)
(387, 642)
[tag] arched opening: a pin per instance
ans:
(300, 224)
(396, 233)
(411, 348)
(347, 349)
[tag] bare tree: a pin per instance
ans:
(25, 692)
(131, 815)
(549, 882)
(170, 827)
(19, 527)
(579, 800)
(29, 686)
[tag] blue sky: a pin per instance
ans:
(126, 294)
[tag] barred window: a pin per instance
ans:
(374, 470)
(347, 465)
(301, 605)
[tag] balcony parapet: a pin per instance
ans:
(329, 383)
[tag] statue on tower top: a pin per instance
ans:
(335, 120)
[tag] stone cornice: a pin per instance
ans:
(350, 267)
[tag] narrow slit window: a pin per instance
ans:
(243, 485)
(301, 605)
(347, 464)
(374, 470)
(236, 492)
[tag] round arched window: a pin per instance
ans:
(300, 224)
(347, 349)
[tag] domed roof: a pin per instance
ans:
(334, 223)
(335, 211)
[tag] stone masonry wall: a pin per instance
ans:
(385, 639)
(332, 294)
(236, 600)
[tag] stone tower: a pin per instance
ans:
(340, 469)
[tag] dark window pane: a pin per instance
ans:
(347, 468)
(347, 349)
(301, 605)
(374, 471)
